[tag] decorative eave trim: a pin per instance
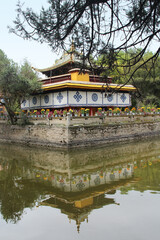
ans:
(88, 85)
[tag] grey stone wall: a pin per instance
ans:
(102, 134)
(44, 135)
(74, 133)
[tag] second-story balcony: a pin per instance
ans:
(65, 77)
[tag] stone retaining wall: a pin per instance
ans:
(103, 134)
(42, 135)
(72, 132)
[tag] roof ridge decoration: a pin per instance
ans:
(68, 56)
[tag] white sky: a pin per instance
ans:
(17, 49)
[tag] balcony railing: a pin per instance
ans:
(56, 79)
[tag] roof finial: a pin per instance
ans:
(72, 46)
(78, 227)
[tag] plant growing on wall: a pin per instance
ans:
(148, 109)
(64, 112)
(118, 110)
(82, 111)
(133, 110)
(43, 111)
(34, 112)
(158, 110)
(126, 110)
(70, 110)
(55, 113)
(87, 110)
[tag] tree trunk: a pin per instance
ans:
(11, 114)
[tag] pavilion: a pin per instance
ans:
(67, 86)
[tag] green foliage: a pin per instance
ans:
(144, 74)
(147, 79)
(28, 80)
(24, 120)
(16, 83)
(3, 61)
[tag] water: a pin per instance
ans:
(107, 193)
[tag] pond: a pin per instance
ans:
(108, 193)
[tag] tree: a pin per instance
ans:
(16, 83)
(148, 90)
(96, 27)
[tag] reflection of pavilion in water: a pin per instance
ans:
(79, 210)
(71, 182)
(76, 182)
(79, 194)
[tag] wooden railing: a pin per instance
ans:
(56, 79)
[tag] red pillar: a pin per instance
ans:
(91, 111)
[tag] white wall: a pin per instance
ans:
(77, 98)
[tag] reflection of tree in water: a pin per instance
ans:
(148, 174)
(11, 202)
(16, 194)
